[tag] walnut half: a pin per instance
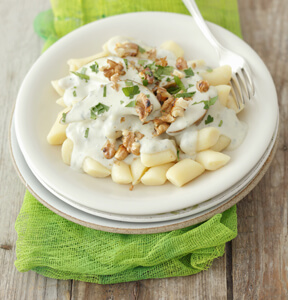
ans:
(126, 49)
(143, 106)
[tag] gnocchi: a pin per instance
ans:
(145, 115)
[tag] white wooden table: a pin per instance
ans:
(255, 265)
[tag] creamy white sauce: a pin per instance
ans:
(90, 135)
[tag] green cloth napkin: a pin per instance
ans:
(55, 247)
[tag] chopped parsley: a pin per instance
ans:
(86, 133)
(178, 154)
(142, 62)
(189, 72)
(147, 95)
(209, 120)
(126, 62)
(185, 95)
(145, 82)
(220, 123)
(121, 101)
(128, 83)
(141, 50)
(63, 120)
(95, 67)
(97, 110)
(168, 79)
(180, 83)
(74, 94)
(173, 90)
(208, 103)
(209, 70)
(190, 85)
(104, 90)
(82, 76)
(131, 104)
(163, 71)
(83, 70)
(131, 91)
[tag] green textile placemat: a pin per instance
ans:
(55, 247)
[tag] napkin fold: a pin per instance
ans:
(55, 247)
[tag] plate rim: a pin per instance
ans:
(156, 13)
(150, 230)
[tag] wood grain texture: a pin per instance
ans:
(255, 264)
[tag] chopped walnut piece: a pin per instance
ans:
(161, 61)
(162, 94)
(167, 105)
(130, 141)
(179, 107)
(109, 149)
(167, 118)
(147, 74)
(126, 49)
(121, 153)
(181, 63)
(115, 78)
(113, 69)
(151, 54)
(202, 86)
(160, 127)
(143, 106)
(135, 149)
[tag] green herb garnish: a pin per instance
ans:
(168, 79)
(209, 70)
(86, 133)
(82, 76)
(63, 120)
(141, 62)
(145, 82)
(190, 85)
(131, 104)
(121, 101)
(141, 50)
(147, 95)
(208, 103)
(180, 83)
(173, 90)
(162, 71)
(131, 91)
(189, 72)
(95, 67)
(128, 83)
(98, 109)
(178, 154)
(220, 123)
(74, 94)
(126, 62)
(104, 90)
(185, 95)
(209, 120)
(83, 70)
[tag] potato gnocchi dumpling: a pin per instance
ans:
(145, 115)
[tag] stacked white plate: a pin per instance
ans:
(101, 204)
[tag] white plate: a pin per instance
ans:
(97, 222)
(35, 112)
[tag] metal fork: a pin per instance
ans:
(241, 80)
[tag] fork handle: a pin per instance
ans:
(194, 11)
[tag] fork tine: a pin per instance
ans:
(251, 88)
(237, 90)
(243, 86)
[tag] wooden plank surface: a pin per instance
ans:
(255, 264)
